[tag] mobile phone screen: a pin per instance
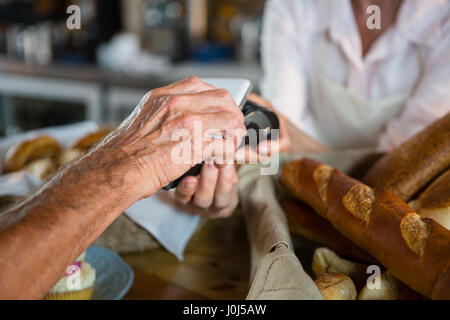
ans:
(239, 88)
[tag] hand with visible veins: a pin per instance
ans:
(43, 235)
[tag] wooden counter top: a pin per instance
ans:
(216, 266)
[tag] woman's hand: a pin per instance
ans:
(212, 194)
(269, 147)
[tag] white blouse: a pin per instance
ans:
(412, 55)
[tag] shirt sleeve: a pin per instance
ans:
(284, 82)
(430, 100)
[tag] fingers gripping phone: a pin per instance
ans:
(256, 116)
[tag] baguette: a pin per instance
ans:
(415, 250)
(304, 222)
(415, 163)
(434, 202)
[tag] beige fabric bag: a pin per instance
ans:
(276, 272)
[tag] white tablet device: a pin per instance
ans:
(239, 88)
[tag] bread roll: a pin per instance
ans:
(390, 289)
(336, 286)
(41, 168)
(88, 141)
(325, 261)
(21, 154)
(415, 250)
(415, 163)
(80, 146)
(69, 155)
(304, 222)
(434, 202)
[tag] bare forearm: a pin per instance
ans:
(301, 142)
(46, 233)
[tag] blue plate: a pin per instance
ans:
(113, 276)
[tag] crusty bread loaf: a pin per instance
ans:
(434, 202)
(336, 286)
(411, 166)
(415, 250)
(304, 222)
(21, 154)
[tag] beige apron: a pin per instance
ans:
(344, 120)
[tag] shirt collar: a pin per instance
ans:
(418, 21)
(341, 19)
(343, 30)
(415, 20)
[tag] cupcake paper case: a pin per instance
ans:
(77, 283)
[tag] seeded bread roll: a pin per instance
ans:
(336, 286)
(21, 154)
(415, 163)
(416, 250)
(434, 202)
(304, 222)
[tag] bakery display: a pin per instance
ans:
(336, 286)
(76, 284)
(414, 249)
(411, 166)
(37, 156)
(384, 287)
(43, 155)
(434, 202)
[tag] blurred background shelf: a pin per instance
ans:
(50, 75)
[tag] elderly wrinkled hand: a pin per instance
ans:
(141, 148)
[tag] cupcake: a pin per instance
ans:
(77, 283)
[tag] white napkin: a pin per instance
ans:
(171, 226)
